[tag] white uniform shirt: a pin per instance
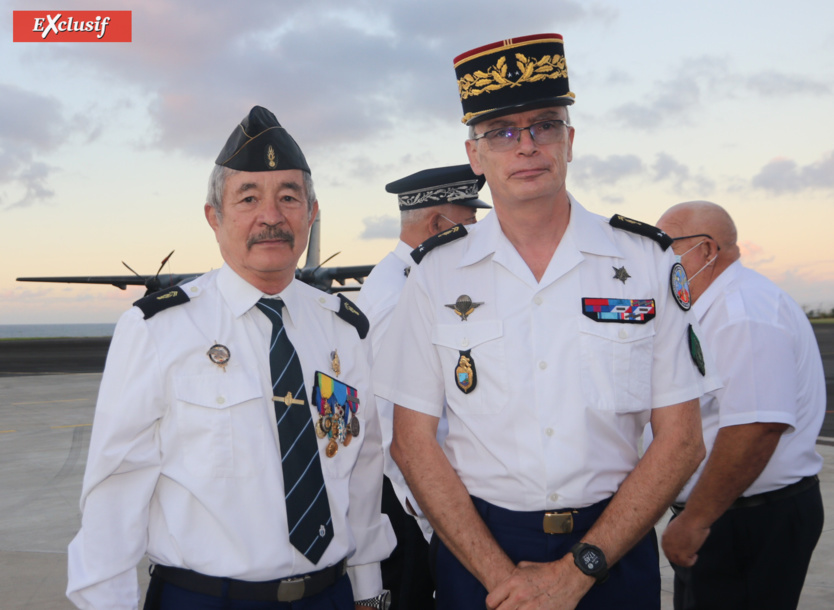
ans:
(770, 365)
(561, 400)
(184, 463)
(379, 295)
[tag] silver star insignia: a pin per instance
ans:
(621, 274)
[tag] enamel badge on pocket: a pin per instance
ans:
(465, 376)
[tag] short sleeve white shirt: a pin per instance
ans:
(769, 363)
(561, 399)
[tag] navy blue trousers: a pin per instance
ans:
(171, 597)
(633, 584)
(754, 558)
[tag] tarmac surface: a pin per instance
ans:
(48, 390)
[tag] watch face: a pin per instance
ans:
(591, 559)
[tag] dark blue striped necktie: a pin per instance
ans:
(308, 511)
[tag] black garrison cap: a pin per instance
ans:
(260, 144)
(511, 76)
(456, 184)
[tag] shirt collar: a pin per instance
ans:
(241, 296)
(714, 290)
(584, 230)
(403, 252)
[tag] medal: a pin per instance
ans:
(219, 355)
(337, 404)
(464, 306)
(335, 365)
(332, 448)
(465, 376)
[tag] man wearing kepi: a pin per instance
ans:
(748, 521)
(236, 441)
(430, 201)
(554, 337)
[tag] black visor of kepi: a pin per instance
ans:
(260, 144)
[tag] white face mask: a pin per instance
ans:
(678, 257)
(708, 263)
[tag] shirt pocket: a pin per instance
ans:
(484, 340)
(221, 422)
(616, 365)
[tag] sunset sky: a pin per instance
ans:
(105, 148)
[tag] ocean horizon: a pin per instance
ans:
(40, 331)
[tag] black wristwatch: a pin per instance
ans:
(591, 560)
(380, 602)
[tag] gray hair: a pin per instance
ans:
(472, 133)
(217, 182)
(408, 217)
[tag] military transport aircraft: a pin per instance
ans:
(312, 273)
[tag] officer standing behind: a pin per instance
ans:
(748, 521)
(553, 336)
(236, 440)
(430, 202)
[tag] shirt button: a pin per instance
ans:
(538, 300)
(194, 289)
(623, 333)
(322, 299)
(554, 497)
(542, 365)
(464, 342)
(548, 431)
(221, 400)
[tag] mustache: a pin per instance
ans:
(270, 234)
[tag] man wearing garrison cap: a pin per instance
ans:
(552, 335)
(236, 440)
(430, 201)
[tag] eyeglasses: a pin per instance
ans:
(544, 132)
(707, 235)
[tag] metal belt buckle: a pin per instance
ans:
(292, 589)
(558, 523)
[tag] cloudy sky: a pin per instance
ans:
(105, 148)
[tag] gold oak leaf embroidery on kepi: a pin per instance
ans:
(497, 77)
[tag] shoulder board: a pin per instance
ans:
(156, 302)
(350, 313)
(431, 243)
(641, 228)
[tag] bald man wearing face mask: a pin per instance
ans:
(747, 522)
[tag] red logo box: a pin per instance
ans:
(73, 26)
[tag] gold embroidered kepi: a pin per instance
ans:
(511, 76)
(456, 184)
(260, 144)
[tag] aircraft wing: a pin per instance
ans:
(119, 281)
(324, 277)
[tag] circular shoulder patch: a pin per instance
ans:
(680, 286)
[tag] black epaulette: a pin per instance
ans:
(432, 242)
(641, 228)
(350, 313)
(156, 302)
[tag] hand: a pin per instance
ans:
(682, 539)
(549, 586)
